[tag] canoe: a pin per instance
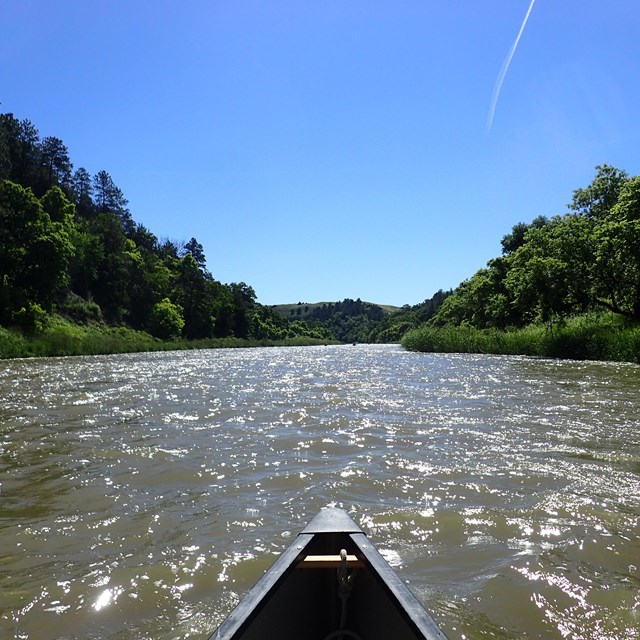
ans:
(330, 584)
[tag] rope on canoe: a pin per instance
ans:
(345, 585)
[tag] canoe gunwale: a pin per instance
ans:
(327, 528)
(255, 599)
(409, 605)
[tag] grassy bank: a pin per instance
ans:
(597, 337)
(62, 338)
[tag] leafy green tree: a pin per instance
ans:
(549, 275)
(144, 239)
(84, 267)
(223, 310)
(20, 146)
(537, 284)
(109, 198)
(514, 240)
(481, 301)
(244, 298)
(48, 266)
(167, 321)
(269, 325)
(194, 294)
(5, 149)
(617, 255)
(24, 145)
(31, 318)
(596, 200)
(140, 294)
(34, 249)
(168, 249)
(111, 286)
(59, 209)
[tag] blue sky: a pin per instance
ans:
(323, 150)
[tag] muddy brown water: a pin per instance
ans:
(142, 495)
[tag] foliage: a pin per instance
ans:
(31, 318)
(34, 249)
(593, 336)
(393, 326)
(69, 245)
(358, 321)
(80, 311)
(167, 321)
(553, 269)
(60, 337)
(68, 242)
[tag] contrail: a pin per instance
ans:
(505, 68)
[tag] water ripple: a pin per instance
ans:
(141, 495)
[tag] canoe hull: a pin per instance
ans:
(300, 596)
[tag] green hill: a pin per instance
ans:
(306, 309)
(358, 321)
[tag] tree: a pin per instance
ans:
(596, 200)
(84, 267)
(141, 294)
(538, 285)
(144, 239)
(20, 150)
(110, 199)
(55, 163)
(517, 237)
(194, 295)
(550, 274)
(34, 249)
(55, 203)
(24, 145)
(111, 283)
(82, 193)
(167, 321)
(617, 255)
(481, 301)
(195, 249)
(169, 249)
(5, 149)
(244, 298)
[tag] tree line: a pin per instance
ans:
(357, 321)
(70, 245)
(585, 260)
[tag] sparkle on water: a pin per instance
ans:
(142, 495)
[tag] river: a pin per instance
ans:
(141, 495)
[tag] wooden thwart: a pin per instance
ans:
(291, 601)
(329, 562)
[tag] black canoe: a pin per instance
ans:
(330, 584)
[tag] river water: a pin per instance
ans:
(141, 495)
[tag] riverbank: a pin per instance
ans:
(62, 338)
(592, 337)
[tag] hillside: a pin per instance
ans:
(358, 321)
(305, 309)
(71, 248)
(72, 252)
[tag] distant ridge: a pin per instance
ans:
(307, 308)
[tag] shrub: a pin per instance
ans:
(167, 321)
(31, 318)
(81, 311)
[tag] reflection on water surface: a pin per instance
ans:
(143, 494)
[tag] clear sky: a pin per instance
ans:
(332, 148)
